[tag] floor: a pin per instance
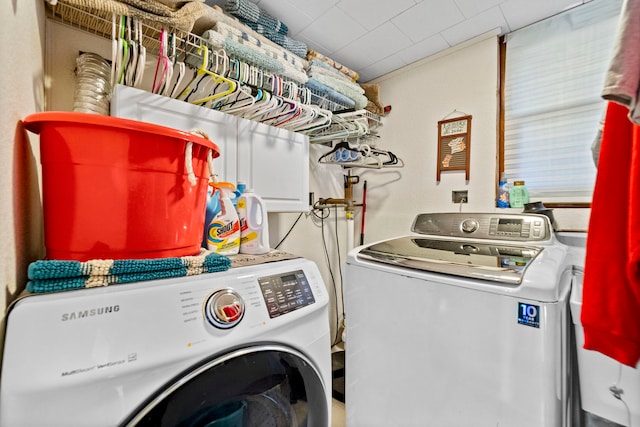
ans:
(337, 407)
(337, 414)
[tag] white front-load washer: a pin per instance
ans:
(463, 323)
(246, 347)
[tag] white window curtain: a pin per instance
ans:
(554, 75)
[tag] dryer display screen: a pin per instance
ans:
(286, 292)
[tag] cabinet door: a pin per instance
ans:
(275, 163)
(221, 128)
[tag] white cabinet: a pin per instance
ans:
(275, 162)
(272, 161)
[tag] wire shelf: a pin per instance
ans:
(356, 124)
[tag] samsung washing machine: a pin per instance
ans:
(463, 323)
(246, 347)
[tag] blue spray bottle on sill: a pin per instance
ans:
(503, 192)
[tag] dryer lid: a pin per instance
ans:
(504, 263)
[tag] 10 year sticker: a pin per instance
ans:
(529, 314)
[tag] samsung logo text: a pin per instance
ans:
(81, 314)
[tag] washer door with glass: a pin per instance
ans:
(270, 386)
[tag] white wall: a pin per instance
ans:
(22, 88)
(464, 80)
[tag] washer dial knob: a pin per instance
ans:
(469, 225)
(224, 309)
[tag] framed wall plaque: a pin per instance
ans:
(454, 140)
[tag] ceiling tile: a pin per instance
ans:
(479, 24)
(371, 14)
(312, 8)
(428, 18)
(520, 13)
(380, 68)
(293, 17)
(426, 47)
(375, 37)
(374, 46)
(471, 8)
(333, 30)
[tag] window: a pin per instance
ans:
(554, 73)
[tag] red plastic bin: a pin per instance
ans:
(114, 188)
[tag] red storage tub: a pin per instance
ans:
(114, 188)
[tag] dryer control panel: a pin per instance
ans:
(286, 292)
(511, 227)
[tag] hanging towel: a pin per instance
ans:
(622, 83)
(611, 292)
(54, 275)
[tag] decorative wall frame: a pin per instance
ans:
(454, 145)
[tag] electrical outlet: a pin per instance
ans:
(460, 196)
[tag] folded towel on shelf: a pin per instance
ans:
(320, 67)
(249, 11)
(269, 21)
(372, 92)
(297, 47)
(261, 58)
(252, 56)
(323, 91)
(243, 9)
(247, 53)
(153, 12)
(349, 89)
(60, 275)
(276, 51)
(215, 15)
(312, 54)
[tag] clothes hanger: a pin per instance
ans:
(242, 99)
(203, 75)
(163, 65)
(142, 53)
(114, 50)
(322, 121)
(287, 109)
(171, 88)
(340, 152)
(121, 51)
(270, 102)
(131, 67)
(308, 114)
(181, 73)
(339, 129)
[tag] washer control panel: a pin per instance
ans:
(515, 227)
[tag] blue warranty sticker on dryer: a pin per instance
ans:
(529, 314)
